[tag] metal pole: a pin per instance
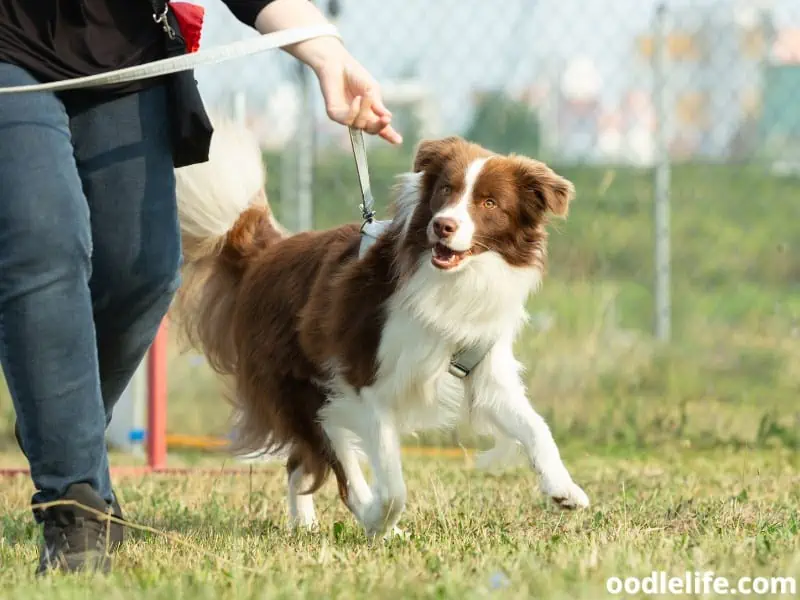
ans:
(288, 184)
(305, 154)
(663, 305)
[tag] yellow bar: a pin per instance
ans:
(200, 442)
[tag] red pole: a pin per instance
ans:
(157, 400)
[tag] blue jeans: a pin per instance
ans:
(89, 261)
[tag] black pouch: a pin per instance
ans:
(191, 127)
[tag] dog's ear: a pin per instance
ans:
(431, 154)
(548, 190)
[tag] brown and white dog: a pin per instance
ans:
(333, 355)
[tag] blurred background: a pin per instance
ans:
(671, 311)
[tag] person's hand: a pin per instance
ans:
(353, 97)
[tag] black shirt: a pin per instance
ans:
(63, 39)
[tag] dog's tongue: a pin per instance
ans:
(443, 252)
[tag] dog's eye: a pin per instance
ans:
(445, 189)
(489, 203)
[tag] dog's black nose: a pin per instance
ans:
(444, 226)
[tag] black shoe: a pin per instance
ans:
(117, 534)
(74, 538)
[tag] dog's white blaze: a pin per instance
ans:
(462, 239)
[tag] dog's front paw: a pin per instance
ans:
(566, 493)
(381, 515)
(304, 523)
(397, 533)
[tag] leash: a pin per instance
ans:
(362, 169)
(370, 228)
(168, 66)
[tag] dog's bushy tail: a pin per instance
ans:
(225, 221)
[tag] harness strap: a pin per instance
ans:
(465, 360)
(370, 232)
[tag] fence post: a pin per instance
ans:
(661, 187)
(157, 400)
(305, 153)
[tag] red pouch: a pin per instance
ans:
(190, 21)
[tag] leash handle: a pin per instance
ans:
(360, 154)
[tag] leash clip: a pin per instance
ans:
(162, 20)
(367, 215)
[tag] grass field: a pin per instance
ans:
(472, 534)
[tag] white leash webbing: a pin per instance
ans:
(362, 169)
(371, 229)
(167, 66)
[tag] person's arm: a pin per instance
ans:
(352, 96)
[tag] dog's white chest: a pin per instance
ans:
(413, 374)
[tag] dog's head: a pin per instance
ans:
(469, 201)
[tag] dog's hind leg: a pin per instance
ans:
(301, 504)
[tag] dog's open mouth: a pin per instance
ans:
(446, 258)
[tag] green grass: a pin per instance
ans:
(472, 534)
